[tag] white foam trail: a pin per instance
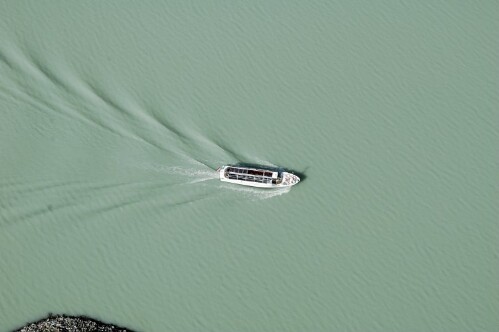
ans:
(192, 172)
(256, 193)
(197, 175)
(204, 179)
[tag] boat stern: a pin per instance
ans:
(221, 172)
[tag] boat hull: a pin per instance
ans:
(269, 179)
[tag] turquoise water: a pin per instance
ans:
(114, 116)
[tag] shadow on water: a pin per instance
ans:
(300, 174)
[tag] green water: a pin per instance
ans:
(114, 115)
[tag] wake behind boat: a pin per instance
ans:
(257, 176)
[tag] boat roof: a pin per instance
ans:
(258, 172)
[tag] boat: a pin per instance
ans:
(257, 176)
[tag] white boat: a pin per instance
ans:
(257, 176)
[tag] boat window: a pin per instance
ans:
(253, 175)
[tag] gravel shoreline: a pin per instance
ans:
(63, 323)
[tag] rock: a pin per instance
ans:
(63, 323)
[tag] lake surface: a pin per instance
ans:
(115, 114)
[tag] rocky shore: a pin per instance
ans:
(63, 323)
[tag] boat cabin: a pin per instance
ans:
(252, 175)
